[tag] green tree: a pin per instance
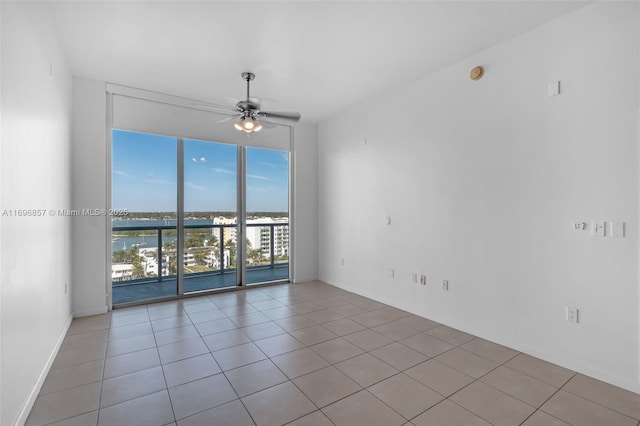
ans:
(255, 256)
(173, 265)
(138, 268)
(200, 257)
(212, 242)
(194, 241)
(119, 256)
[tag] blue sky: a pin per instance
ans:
(144, 175)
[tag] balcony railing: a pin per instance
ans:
(130, 267)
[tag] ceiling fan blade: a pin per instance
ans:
(279, 117)
(227, 119)
(267, 124)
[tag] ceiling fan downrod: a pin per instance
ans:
(248, 77)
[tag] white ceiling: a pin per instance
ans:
(315, 57)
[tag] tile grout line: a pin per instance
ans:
(104, 368)
(164, 376)
(591, 400)
(472, 382)
(546, 400)
(220, 367)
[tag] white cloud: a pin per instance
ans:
(264, 163)
(258, 177)
(121, 173)
(225, 171)
(194, 186)
(283, 166)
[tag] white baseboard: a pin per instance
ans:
(93, 311)
(33, 395)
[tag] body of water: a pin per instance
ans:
(150, 239)
(158, 222)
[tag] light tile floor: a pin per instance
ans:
(306, 354)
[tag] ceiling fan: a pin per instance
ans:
(251, 118)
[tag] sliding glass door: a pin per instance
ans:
(267, 201)
(210, 191)
(144, 224)
(185, 202)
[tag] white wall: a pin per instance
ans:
(89, 169)
(90, 163)
(35, 264)
(483, 179)
(305, 154)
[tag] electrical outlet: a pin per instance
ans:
(445, 285)
(414, 277)
(342, 261)
(391, 273)
(571, 314)
(423, 279)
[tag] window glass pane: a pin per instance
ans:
(210, 203)
(267, 179)
(143, 242)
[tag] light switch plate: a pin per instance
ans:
(617, 229)
(598, 229)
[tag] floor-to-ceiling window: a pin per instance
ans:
(210, 189)
(267, 206)
(185, 202)
(144, 223)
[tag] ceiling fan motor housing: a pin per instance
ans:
(248, 76)
(247, 105)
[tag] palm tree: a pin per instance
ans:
(120, 256)
(194, 241)
(200, 256)
(138, 269)
(255, 256)
(173, 265)
(212, 242)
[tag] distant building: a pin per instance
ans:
(260, 236)
(121, 272)
(213, 259)
(229, 233)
